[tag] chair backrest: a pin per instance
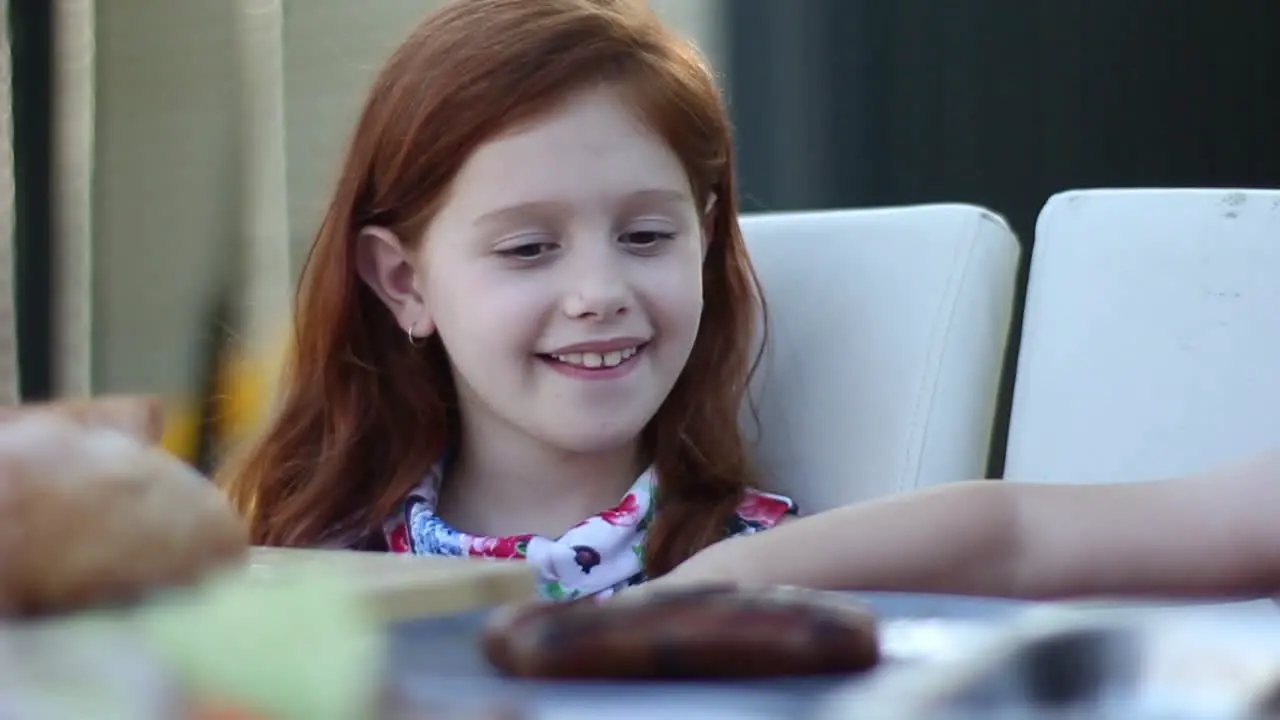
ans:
(888, 330)
(1151, 336)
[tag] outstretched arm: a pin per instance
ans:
(1212, 534)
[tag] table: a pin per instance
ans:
(408, 586)
(437, 660)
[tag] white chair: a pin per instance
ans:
(887, 338)
(1151, 337)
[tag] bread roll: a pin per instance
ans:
(139, 416)
(89, 515)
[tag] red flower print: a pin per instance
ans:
(398, 539)
(762, 508)
(626, 513)
(506, 548)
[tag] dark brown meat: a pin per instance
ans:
(687, 634)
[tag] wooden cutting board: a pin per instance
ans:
(405, 587)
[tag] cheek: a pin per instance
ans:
(675, 292)
(484, 312)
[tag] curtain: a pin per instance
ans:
(73, 148)
(8, 317)
(265, 201)
(245, 367)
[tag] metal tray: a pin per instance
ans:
(1122, 662)
(436, 661)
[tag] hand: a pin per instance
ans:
(712, 567)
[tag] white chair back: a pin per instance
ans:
(887, 339)
(1151, 337)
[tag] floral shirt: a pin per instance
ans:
(598, 556)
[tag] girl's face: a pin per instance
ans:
(563, 275)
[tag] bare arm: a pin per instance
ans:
(1216, 533)
(1212, 534)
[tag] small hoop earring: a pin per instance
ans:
(414, 341)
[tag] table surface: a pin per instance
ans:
(437, 661)
(408, 586)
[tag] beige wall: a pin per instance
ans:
(165, 190)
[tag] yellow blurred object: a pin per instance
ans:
(182, 431)
(244, 390)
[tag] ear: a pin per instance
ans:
(388, 269)
(709, 223)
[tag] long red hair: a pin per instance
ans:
(362, 414)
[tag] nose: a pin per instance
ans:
(596, 288)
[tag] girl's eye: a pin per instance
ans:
(528, 251)
(647, 238)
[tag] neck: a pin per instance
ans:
(504, 482)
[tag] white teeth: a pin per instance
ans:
(613, 358)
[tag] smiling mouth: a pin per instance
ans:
(596, 361)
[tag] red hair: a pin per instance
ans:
(364, 415)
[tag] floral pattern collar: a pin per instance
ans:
(599, 556)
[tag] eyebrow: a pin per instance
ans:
(549, 207)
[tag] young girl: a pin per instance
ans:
(525, 331)
(526, 324)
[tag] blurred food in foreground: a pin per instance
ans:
(92, 516)
(139, 416)
(124, 593)
(301, 648)
(304, 646)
